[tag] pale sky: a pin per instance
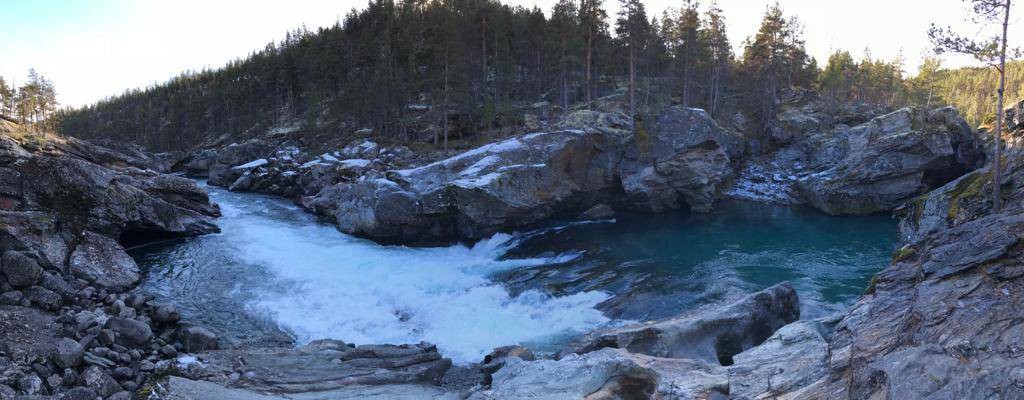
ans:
(93, 49)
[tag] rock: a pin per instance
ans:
(794, 357)
(101, 261)
(515, 182)
(200, 163)
(79, 393)
(591, 121)
(892, 159)
(30, 385)
(26, 333)
(186, 389)
(68, 353)
(713, 336)
(165, 314)
(500, 356)
(324, 366)
(21, 270)
(122, 395)
(607, 374)
(11, 298)
(598, 212)
(222, 171)
(43, 298)
(134, 206)
(682, 160)
(129, 332)
(683, 163)
(100, 382)
(196, 339)
(58, 285)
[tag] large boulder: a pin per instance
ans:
(101, 261)
(514, 182)
(713, 335)
(681, 161)
(235, 159)
(20, 269)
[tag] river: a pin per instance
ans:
(275, 275)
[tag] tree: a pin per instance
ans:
(838, 76)
(924, 87)
(594, 22)
(775, 59)
(719, 54)
(6, 99)
(992, 51)
(633, 29)
(563, 31)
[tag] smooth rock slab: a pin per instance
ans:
(607, 374)
(712, 336)
(323, 366)
(186, 389)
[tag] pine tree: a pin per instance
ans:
(594, 22)
(633, 30)
(776, 59)
(719, 56)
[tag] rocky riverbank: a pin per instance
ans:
(942, 321)
(69, 328)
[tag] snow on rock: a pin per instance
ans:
(252, 164)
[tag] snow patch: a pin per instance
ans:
(252, 164)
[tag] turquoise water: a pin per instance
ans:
(276, 275)
(658, 265)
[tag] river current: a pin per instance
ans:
(276, 275)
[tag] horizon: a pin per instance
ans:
(97, 50)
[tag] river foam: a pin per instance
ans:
(331, 285)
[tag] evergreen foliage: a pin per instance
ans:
(431, 70)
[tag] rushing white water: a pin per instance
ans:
(331, 285)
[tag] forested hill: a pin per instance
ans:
(399, 68)
(423, 70)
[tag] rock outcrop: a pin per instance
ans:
(868, 168)
(67, 208)
(681, 161)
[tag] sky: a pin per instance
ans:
(92, 49)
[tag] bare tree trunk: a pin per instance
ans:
(632, 78)
(446, 101)
(590, 52)
(997, 165)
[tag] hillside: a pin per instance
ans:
(423, 71)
